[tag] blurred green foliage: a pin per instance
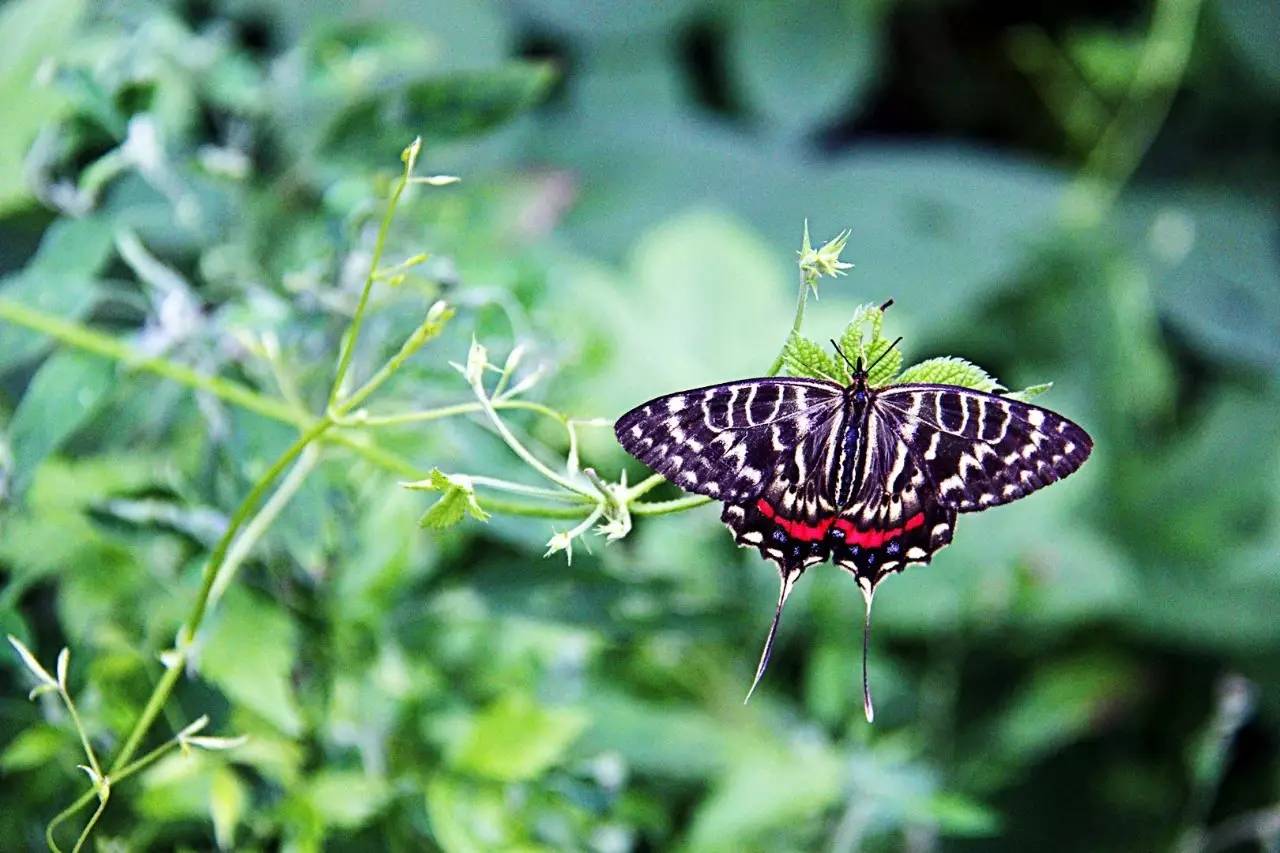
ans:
(190, 195)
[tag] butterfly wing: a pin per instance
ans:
(936, 450)
(897, 517)
(727, 441)
(758, 445)
(983, 450)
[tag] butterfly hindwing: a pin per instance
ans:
(897, 517)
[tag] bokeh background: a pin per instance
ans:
(1079, 192)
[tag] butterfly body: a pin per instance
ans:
(872, 479)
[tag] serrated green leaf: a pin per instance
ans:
(864, 338)
(1030, 391)
(803, 357)
(949, 370)
(885, 362)
(457, 500)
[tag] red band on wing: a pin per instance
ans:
(876, 538)
(852, 535)
(795, 529)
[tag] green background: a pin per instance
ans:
(1078, 192)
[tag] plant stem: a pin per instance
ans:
(93, 820)
(1125, 141)
(79, 726)
(802, 299)
(664, 507)
(89, 340)
(97, 343)
(66, 814)
(376, 421)
(506, 507)
(520, 450)
(188, 632)
(645, 486)
(262, 521)
(352, 333)
(532, 491)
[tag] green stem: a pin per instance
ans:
(506, 507)
(93, 820)
(376, 421)
(664, 507)
(262, 521)
(1125, 141)
(185, 637)
(802, 298)
(437, 316)
(89, 340)
(531, 491)
(65, 815)
(79, 726)
(520, 450)
(645, 486)
(352, 333)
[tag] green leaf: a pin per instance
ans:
(457, 499)
(59, 281)
(467, 817)
(64, 393)
(32, 747)
(958, 815)
(515, 739)
(347, 799)
(838, 41)
(803, 357)
(448, 107)
(227, 800)
(32, 32)
(1061, 701)
(1029, 392)
(949, 370)
(885, 362)
(715, 268)
(802, 783)
(249, 655)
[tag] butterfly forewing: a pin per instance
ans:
(982, 450)
(724, 441)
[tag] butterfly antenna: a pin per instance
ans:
(868, 592)
(845, 357)
(886, 352)
(885, 307)
(788, 581)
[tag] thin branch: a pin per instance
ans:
(1125, 141)
(349, 337)
(262, 521)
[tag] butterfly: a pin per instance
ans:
(871, 478)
